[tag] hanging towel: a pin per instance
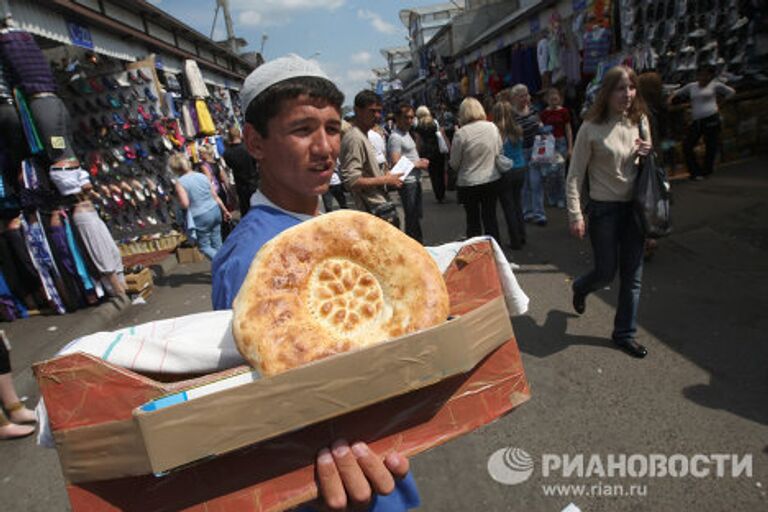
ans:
(204, 118)
(189, 126)
(195, 79)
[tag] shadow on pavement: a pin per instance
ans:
(551, 338)
(704, 292)
(177, 280)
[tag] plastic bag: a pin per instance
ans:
(543, 149)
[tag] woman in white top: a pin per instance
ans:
(705, 119)
(606, 151)
(473, 154)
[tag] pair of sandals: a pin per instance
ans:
(19, 423)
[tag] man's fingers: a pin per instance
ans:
(375, 471)
(352, 476)
(397, 465)
(330, 487)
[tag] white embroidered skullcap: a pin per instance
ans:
(275, 71)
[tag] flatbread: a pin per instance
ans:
(338, 282)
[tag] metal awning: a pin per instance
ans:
(52, 25)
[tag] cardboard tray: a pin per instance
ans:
(84, 395)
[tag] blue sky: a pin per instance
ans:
(347, 33)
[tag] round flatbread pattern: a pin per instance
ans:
(340, 281)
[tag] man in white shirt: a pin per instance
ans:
(705, 119)
(380, 145)
(401, 144)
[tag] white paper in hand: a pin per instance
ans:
(403, 167)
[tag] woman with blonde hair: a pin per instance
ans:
(615, 133)
(512, 173)
(196, 193)
(528, 119)
(428, 131)
(216, 172)
(473, 153)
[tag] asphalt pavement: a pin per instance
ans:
(702, 390)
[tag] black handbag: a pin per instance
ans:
(652, 196)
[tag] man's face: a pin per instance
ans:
(405, 119)
(369, 116)
(298, 156)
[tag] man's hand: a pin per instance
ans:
(393, 180)
(422, 163)
(347, 478)
(578, 229)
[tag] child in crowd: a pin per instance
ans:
(559, 119)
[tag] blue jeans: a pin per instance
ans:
(617, 243)
(410, 197)
(533, 194)
(208, 227)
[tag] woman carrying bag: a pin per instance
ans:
(606, 152)
(511, 165)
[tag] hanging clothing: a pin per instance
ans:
(204, 118)
(189, 126)
(542, 55)
(6, 89)
(480, 81)
(554, 48)
(572, 65)
(11, 307)
(195, 79)
(66, 264)
(42, 259)
(195, 119)
(495, 84)
(98, 242)
(597, 46)
(80, 266)
(531, 76)
(464, 86)
(30, 131)
(29, 68)
(21, 278)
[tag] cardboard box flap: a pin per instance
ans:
(241, 416)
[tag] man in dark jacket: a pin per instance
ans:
(243, 167)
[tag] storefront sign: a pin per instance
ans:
(535, 25)
(80, 35)
(579, 5)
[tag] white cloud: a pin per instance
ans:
(249, 18)
(359, 75)
(377, 22)
(277, 12)
(361, 57)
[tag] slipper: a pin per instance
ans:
(25, 415)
